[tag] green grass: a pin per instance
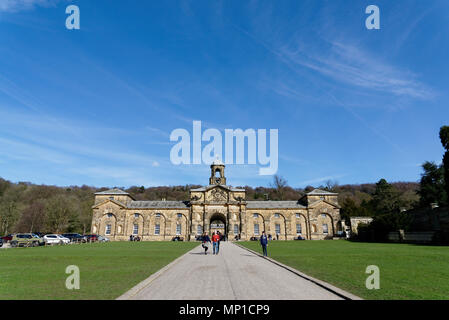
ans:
(406, 271)
(107, 270)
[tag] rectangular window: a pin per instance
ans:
(157, 229)
(111, 198)
(136, 229)
(323, 215)
(278, 228)
(276, 215)
(236, 229)
(199, 229)
(179, 215)
(158, 215)
(136, 215)
(298, 228)
(298, 216)
(108, 229)
(255, 215)
(325, 230)
(178, 229)
(256, 229)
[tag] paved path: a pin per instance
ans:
(234, 274)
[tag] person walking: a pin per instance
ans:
(216, 242)
(264, 243)
(205, 242)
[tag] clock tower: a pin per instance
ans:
(217, 173)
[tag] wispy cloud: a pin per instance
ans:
(19, 5)
(352, 65)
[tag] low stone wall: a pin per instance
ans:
(412, 237)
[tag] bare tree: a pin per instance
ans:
(279, 184)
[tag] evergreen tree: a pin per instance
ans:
(432, 186)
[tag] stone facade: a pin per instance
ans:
(217, 206)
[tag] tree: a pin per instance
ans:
(60, 210)
(279, 184)
(432, 186)
(385, 198)
(32, 218)
(444, 137)
(9, 209)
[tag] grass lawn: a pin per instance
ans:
(406, 271)
(107, 270)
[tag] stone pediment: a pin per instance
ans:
(324, 203)
(109, 201)
(217, 194)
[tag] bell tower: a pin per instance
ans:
(217, 173)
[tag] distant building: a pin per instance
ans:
(216, 207)
(355, 221)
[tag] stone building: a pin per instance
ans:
(217, 206)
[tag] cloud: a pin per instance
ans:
(19, 5)
(354, 66)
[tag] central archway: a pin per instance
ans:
(218, 223)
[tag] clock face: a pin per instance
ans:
(217, 180)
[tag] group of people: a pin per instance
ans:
(216, 238)
(134, 238)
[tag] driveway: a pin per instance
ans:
(233, 274)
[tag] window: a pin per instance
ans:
(323, 215)
(109, 215)
(321, 198)
(136, 215)
(255, 215)
(108, 229)
(158, 215)
(236, 229)
(157, 229)
(111, 198)
(256, 229)
(276, 215)
(178, 229)
(199, 229)
(278, 228)
(298, 228)
(298, 216)
(179, 215)
(136, 229)
(325, 229)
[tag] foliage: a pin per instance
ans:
(432, 185)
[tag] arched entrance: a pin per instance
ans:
(218, 223)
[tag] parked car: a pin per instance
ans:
(39, 234)
(75, 237)
(55, 239)
(26, 240)
(92, 237)
(7, 238)
(103, 239)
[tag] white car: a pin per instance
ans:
(55, 239)
(103, 239)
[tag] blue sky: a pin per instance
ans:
(96, 106)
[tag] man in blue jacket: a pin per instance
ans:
(264, 243)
